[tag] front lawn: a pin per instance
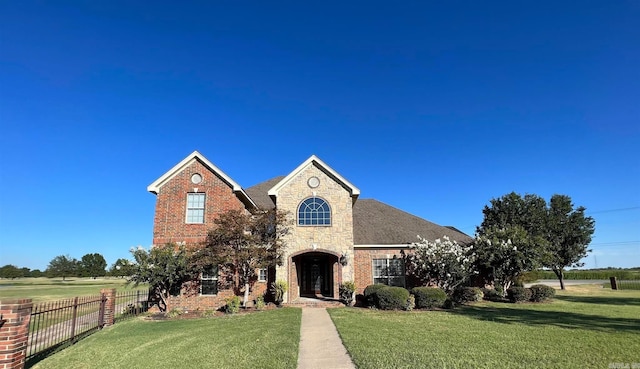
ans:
(51, 289)
(267, 339)
(585, 327)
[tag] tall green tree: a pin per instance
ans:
(93, 265)
(62, 266)
(10, 272)
(240, 243)
(121, 268)
(569, 233)
(164, 268)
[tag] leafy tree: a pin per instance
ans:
(121, 268)
(36, 273)
(63, 266)
(164, 268)
(93, 265)
(442, 262)
(240, 243)
(569, 233)
(10, 271)
(529, 212)
(504, 254)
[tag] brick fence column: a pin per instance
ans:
(110, 306)
(14, 332)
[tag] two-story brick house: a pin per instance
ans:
(335, 236)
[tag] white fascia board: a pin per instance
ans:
(390, 246)
(355, 192)
(155, 186)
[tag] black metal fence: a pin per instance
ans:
(57, 324)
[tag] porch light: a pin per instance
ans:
(343, 260)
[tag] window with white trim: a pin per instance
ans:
(389, 272)
(314, 211)
(262, 275)
(209, 282)
(195, 208)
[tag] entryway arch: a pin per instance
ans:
(314, 273)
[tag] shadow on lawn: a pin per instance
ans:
(550, 318)
(614, 300)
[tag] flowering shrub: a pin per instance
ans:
(442, 262)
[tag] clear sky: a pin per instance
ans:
(434, 107)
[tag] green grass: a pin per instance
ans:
(585, 327)
(267, 339)
(50, 289)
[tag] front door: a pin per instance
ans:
(317, 276)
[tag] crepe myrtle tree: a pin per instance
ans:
(504, 254)
(443, 262)
(240, 243)
(165, 268)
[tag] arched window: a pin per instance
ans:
(314, 211)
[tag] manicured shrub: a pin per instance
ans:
(370, 293)
(491, 294)
(541, 292)
(392, 298)
(462, 295)
(429, 297)
(518, 294)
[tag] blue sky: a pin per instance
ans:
(431, 107)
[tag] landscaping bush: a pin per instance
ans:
(370, 293)
(541, 292)
(429, 297)
(233, 304)
(518, 294)
(260, 303)
(462, 295)
(491, 294)
(411, 303)
(392, 298)
(346, 292)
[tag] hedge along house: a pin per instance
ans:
(335, 236)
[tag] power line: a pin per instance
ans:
(613, 210)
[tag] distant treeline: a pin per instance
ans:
(622, 274)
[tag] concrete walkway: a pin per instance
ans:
(320, 345)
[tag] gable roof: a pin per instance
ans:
(353, 190)
(376, 223)
(158, 183)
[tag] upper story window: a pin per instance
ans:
(195, 207)
(314, 211)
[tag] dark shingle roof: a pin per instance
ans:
(376, 223)
(258, 193)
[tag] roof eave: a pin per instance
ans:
(353, 190)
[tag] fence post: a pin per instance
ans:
(109, 306)
(14, 332)
(614, 283)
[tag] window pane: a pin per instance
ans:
(314, 211)
(209, 287)
(381, 281)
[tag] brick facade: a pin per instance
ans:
(329, 248)
(364, 263)
(14, 332)
(169, 223)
